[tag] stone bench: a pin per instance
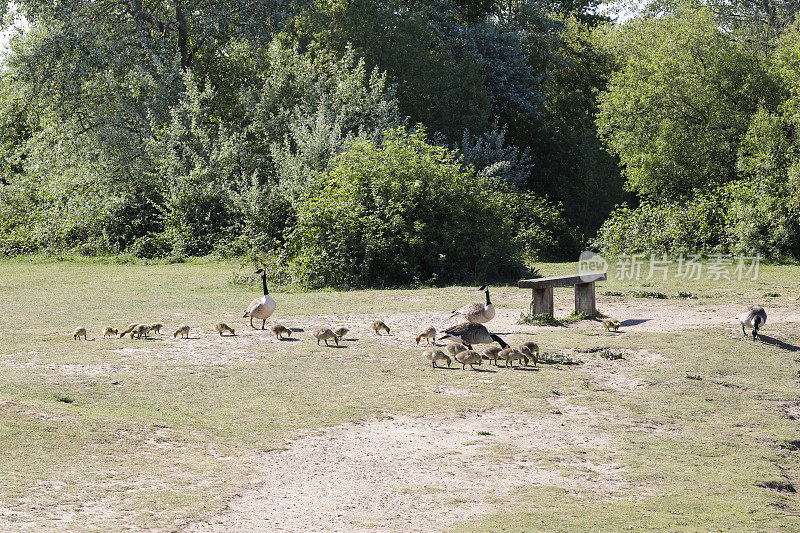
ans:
(542, 300)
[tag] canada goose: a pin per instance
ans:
(141, 329)
(436, 355)
(262, 307)
(130, 328)
(477, 312)
(182, 330)
(78, 333)
(427, 334)
(379, 326)
(156, 328)
(611, 323)
(469, 357)
(509, 355)
(530, 350)
(341, 331)
(323, 334)
(222, 327)
(280, 329)
(754, 316)
(491, 352)
(471, 333)
(454, 347)
(109, 331)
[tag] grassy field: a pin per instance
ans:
(117, 434)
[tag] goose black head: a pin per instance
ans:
(483, 288)
(260, 272)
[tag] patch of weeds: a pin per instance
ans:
(771, 294)
(649, 294)
(685, 295)
(484, 432)
(780, 486)
(694, 376)
(547, 358)
(611, 356)
(63, 398)
(539, 320)
(612, 293)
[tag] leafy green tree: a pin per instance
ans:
(676, 110)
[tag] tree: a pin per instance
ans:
(676, 110)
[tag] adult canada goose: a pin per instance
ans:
(753, 317)
(263, 307)
(477, 312)
(470, 333)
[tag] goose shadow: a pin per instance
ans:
(633, 322)
(526, 368)
(334, 346)
(349, 339)
(445, 368)
(772, 341)
(297, 330)
(289, 339)
(481, 370)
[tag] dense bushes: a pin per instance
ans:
(405, 211)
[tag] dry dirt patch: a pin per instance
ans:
(420, 474)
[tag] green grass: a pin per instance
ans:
(123, 434)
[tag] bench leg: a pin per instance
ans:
(584, 299)
(542, 301)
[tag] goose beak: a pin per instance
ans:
(483, 288)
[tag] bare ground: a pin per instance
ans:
(419, 474)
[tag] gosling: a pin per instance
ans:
(156, 328)
(341, 331)
(130, 328)
(509, 355)
(323, 334)
(78, 333)
(379, 326)
(454, 347)
(469, 357)
(222, 327)
(436, 355)
(530, 350)
(109, 332)
(611, 323)
(279, 330)
(427, 334)
(141, 329)
(182, 330)
(491, 352)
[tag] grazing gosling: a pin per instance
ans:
(279, 330)
(491, 352)
(611, 323)
(109, 331)
(454, 347)
(509, 355)
(141, 329)
(156, 328)
(130, 328)
(436, 355)
(469, 357)
(529, 350)
(182, 330)
(753, 317)
(379, 326)
(341, 331)
(427, 334)
(323, 334)
(78, 333)
(222, 327)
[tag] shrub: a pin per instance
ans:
(401, 212)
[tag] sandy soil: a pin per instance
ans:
(418, 474)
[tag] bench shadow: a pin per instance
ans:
(633, 322)
(772, 341)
